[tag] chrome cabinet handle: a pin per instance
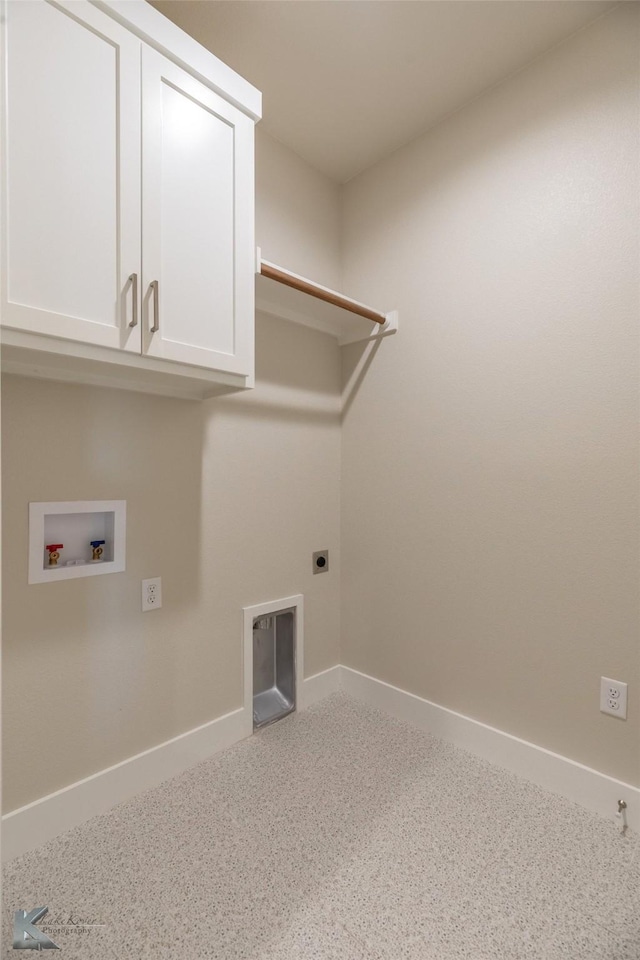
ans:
(133, 280)
(156, 306)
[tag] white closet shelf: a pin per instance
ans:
(284, 294)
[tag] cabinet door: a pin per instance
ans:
(197, 222)
(72, 173)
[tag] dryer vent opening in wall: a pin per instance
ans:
(274, 667)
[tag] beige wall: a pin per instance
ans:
(226, 501)
(298, 214)
(490, 454)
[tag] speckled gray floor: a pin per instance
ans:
(340, 834)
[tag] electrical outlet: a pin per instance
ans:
(613, 697)
(151, 594)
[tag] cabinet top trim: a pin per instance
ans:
(159, 32)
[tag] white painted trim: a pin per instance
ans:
(591, 789)
(34, 824)
(319, 686)
(263, 610)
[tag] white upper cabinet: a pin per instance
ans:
(128, 201)
(197, 214)
(72, 174)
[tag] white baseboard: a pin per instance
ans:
(320, 686)
(32, 825)
(589, 788)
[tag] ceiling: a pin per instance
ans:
(346, 82)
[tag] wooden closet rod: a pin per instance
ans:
(321, 293)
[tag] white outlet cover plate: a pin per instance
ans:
(151, 594)
(613, 697)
